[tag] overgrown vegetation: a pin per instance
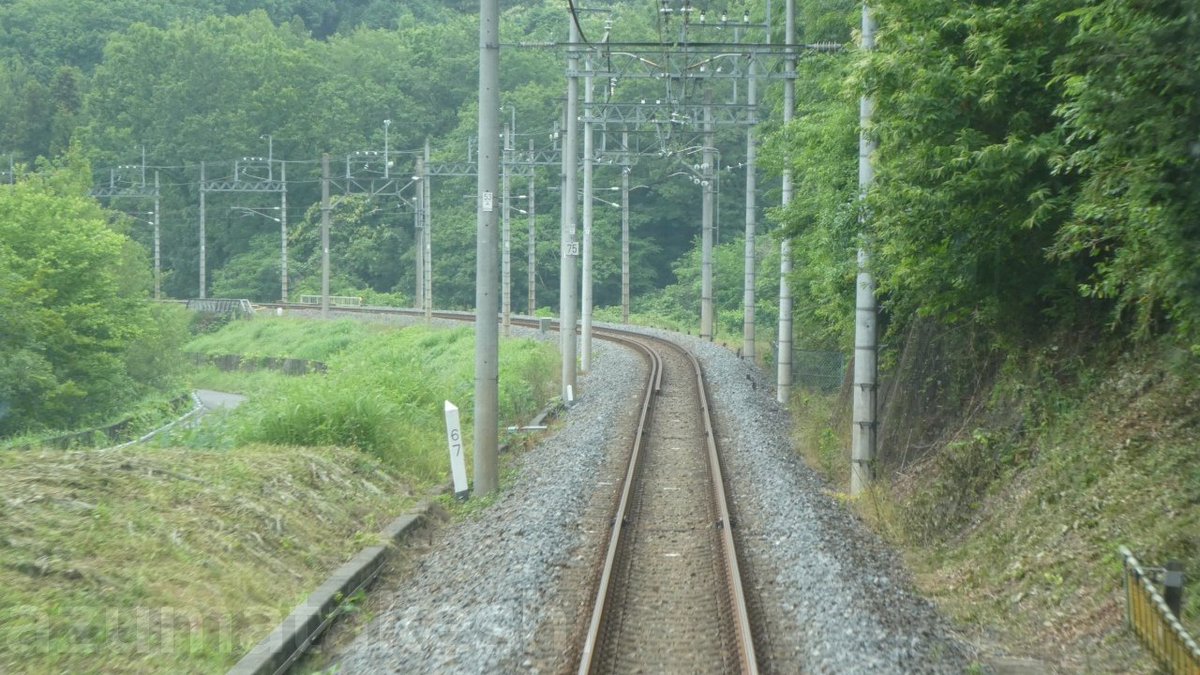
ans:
(183, 554)
(385, 396)
(384, 389)
(1011, 507)
(174, 560)
(79, 340)
(290, 338)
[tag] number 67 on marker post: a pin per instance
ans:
(458, 463)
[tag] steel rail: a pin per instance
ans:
(733, 575)
(604, 588)
(737, 598)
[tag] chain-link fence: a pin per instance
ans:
(819, 370)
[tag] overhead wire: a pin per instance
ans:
(575, 18)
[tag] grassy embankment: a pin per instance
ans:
(179, 557)
(1012, 517)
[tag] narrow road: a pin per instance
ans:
(219, 400)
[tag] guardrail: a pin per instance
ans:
(334, 300)
(221, 306)
(1149, 617)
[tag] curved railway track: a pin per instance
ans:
(668, 595)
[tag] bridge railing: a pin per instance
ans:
(1153, 622)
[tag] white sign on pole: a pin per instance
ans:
(458, 463)
(488, 199)
(572, 248)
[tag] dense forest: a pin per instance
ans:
(1037, 161)
(1032, 228)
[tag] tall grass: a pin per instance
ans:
(385, 396)
(281, 337)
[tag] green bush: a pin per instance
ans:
(385, 396)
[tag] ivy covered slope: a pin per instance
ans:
(1032, 233)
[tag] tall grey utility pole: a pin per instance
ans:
(863, 433)
(706, 210)
(589, 150)
(748, 295)
(569, 246)
(325, 208)
(506, 234)
(203, 245)
(419, 236)
(283, 235)
(783, 373)
(532, 243)
(625, 170)
(427, 200)
(486, 332)
(157, 241)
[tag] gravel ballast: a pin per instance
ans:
(833, 597)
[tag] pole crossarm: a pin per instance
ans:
(711, 61)
(690, 115)
(242, 186)
(374, 188)
(144, 191)
(453, 169)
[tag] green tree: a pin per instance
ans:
(73, 295)
(967, 201)
(1130, 108)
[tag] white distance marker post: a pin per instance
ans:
(458, 463)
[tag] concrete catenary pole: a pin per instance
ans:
(506, 234)
(568, 242)
(419, 234)
(486, 305)
(157, 243)
(203, 245)
(783, 373)
(706, 215)
(283, 271)
(625, 170)
(325, 208)
(748, 296)
(427, 198)
(585, 348)
(532, 243)
(863, 433)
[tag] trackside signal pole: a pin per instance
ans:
(486, 306)
(863, 434)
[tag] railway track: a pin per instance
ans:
(668, 594)
(670, 597)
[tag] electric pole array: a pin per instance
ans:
(245, 180)
(121, 186)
